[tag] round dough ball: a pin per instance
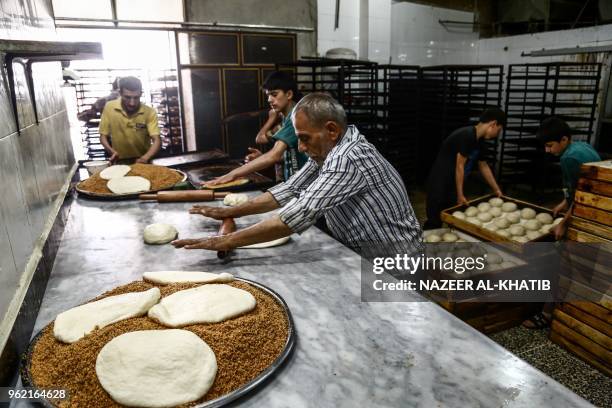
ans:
(517, 230)
(433, 238)
(504, 233)
(557, 220)
(502, 223)
(495, 211)
(544, 218)
(471, 211)
(507, 264)
(513, 218)
(459, 214)
(484, 207)
(522, 239)
(474, 221)
(546, 228)
(531, 235)
(492, 226)
(496, 202)
(494, 258)
(449, 237)
(234, 199)
(159, 234)
(508, 207)
(532, 225)
(156, 368)
(485, 217)
(528, 213)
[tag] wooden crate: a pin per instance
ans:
(585, 327)
(489, 235)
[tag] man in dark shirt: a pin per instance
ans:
(457, 156)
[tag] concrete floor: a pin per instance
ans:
(533, 346)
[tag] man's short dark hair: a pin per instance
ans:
(553, 129)
(130, 83)
(284, 81)
(493, 113)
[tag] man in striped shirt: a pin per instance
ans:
(346, 180)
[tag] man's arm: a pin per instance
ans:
(104, 130)
(262, 162)
(262, 137)
(487, 174)
(155, 146)
(264, 231)
(459, 177)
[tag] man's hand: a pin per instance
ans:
(218, 243)
(142, 160)
(498, 193)
(220, 180)
(562, 206)
(218, 213)
(461, 200)
(253, 154)
(114, 157)
(559, 230)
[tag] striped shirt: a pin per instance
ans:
(361, 195)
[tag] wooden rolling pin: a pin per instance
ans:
(228, 226)
(183, 195)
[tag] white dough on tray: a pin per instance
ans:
(168, 277)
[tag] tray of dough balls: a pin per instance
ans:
(174, 338)
(453, 243)
(504, 220)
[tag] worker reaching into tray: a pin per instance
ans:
(346, 180)
(131, 125)
(459, 153)
(556, 136)
(282, 93)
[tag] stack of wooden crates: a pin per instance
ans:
(583, 325)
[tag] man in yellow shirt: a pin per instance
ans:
(131, 125)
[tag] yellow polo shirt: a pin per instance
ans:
(131, 135)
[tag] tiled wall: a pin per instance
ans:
(417, 37)
(35, 163)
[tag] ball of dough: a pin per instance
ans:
(502, 223)
(522, 239)
(532, 225)
(507, 264)
(496, 202)
(492, 226)
(544, 218)
(508, 207)
(459, 214)
(504, 233)
(513, 218)
(449, 237)
(474, 221)
(433, 238)
(494, 258)
(517, 230)
(159, 234)
(531, 235)
(495, 211)
(557, 220)
(471, 211)
(485, 217)
(546, 228)
(528, 213)
(234, 199)
(484, 207)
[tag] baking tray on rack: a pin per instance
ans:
(488, 235)
(260, 380)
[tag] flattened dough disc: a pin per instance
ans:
(128, 185)
(168, 277)
(118, 170)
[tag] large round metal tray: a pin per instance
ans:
(98, 196)
(26, 377)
